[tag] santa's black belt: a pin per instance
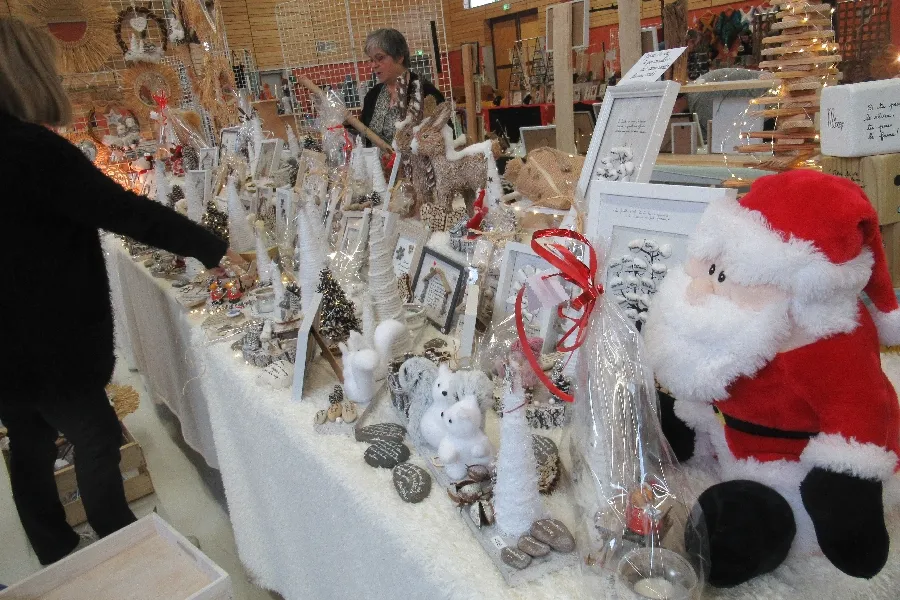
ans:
(761, 430)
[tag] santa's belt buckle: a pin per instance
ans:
(719, 415)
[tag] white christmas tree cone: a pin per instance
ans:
(192, 193)
(379, 184)
(192, 267)
(517, 497)
(163, 189)
(277, 283)
(310, 254)
(256, 132)
(383, 287)
(240, 233)
(263, 264)
(293, 143)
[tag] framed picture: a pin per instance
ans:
(520, 263)
(209, 159)
(284, 216)
(269, 152)
(646, 228)
(515, 98)
(539, 136)
(410, 240)
(227, 141)
(351, 229)
(632, 117)
(439, 286)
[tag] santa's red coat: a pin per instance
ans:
(832, 386)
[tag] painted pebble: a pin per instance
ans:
(381, 431)
(386, 454)
(321, 417)
(348, 411)
(553, 533)
(412, 483)
(529, 545)
(515, 558)
(334, 411)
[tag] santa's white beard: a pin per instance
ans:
(697, 351)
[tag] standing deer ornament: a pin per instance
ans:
(416, 169)
(462, 171)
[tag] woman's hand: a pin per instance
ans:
(236, 259)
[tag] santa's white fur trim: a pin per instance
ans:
(754, 254)
(836, 453)
(888, 324)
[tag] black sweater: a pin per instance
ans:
(55, 301)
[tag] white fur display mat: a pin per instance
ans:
(313, 521)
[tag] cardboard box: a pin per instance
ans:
(147, 560)
(878, 176)
(136, 477)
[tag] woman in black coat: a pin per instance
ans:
(389, 54)
(57, 354)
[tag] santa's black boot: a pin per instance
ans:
(750, 528)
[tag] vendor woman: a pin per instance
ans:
(382, 108)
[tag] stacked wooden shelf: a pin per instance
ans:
(803, 56)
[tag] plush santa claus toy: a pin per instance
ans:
(772, 364)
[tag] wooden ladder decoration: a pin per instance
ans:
(803, 56)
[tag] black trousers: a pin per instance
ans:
(89, 422)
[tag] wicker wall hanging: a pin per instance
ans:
(84, 30)
(200, 17)
(216, 91)
(161, 37)
(92, 149)
(142, 81)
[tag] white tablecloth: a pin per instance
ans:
(312, 521)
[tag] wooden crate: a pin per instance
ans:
(878, 176)
(136, 477)
(148, 560)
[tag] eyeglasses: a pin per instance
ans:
(378, 58)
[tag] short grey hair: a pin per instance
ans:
(389, 41)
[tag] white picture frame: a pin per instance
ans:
(352, 222)
(518, 262)
(439, 284)
(269, 153)
(633, 116)
(227, 140)
(209, 159)
(620, 213)
(411, 237)
(310, 310)
(285, 202)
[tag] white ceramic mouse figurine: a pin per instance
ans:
(443, 394)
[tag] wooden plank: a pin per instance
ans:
(784, 112)
(469, 63)
(755, 148)
(629, 33)
(778, 135)
(782, 25)
(725, 86)
(806, 35)
(811, 60)
(563, 88)
(706, 160)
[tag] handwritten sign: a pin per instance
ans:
(861, 119)
(651, 66)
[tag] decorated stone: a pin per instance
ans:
(532, 547)
(334, 412)
(321, 416)
(386, 454)
(515, 558)
(381, 431)
(348, 411)
(553, 533)
(546, 455)
(412, 483)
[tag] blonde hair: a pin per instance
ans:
(30, 86)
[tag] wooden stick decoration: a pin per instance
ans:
(349, 119)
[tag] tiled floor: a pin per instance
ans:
(189, 495)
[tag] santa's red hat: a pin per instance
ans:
(812, 235)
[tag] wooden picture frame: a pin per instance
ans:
(633, 116)
(439, 285)
(622, 213)
(518, 260)
(411, 237)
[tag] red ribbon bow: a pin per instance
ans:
(574, 271)
(348, 145)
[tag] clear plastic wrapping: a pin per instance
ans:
(335, 139)
(634, 524)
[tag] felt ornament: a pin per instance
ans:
(517, 496)
(772, 370)
(464, 444)
(240, 232)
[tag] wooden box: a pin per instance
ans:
(878, 176)
(148, 560)
(136, 478)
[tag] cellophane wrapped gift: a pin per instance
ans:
(335, 140)
(636, 532)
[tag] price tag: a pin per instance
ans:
(652, 65)
(498, 542)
